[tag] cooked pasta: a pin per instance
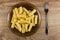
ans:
(23, 20)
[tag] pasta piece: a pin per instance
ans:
(29, 11)
(22, 21)
(26, 27)
(23, 28)
(30, 27)
(16, 11)
(18, 26)
(32, 13)
(36, 17)
(13, 20)
(20, 10)
(26, 11)
(29, 18)
(22, 16)
(13, 23)
(28, 21)
(32, 21)
(14, 16)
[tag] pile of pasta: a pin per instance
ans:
(23, 20)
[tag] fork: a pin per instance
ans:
(46, 15)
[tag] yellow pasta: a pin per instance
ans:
(36, 17)
(13, 23)
(29, 11)
(16, 11)
(22, 18)
(22, 21)
(32, 12)
(14, 16)
(23, 28)
(18, 26)
(25, 10)
(20, 10)
(32, 21)
(24, 13)
(30, 17)
(30, 27)
(13, 20)
(12, 26)
(26, 27)
(28, 21)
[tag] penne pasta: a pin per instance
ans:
(26, 27)
(36, 17)
(18, 26)
(32, 21)
(14, 16)
(24, 13)
(32, 12)
(25, 10)
(23, 20)
(30, 17)
(13, 20)
(16, 11)
(23, 28)
(12, 26)
(20, 10)
(13, 23)
(30, 27)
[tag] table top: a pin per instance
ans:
(53, 20)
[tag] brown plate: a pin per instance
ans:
(28, 6)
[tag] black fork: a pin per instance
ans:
(46, 15)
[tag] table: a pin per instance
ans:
(53, 20)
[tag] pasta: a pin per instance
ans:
(26, 27)
(36, 17)
(23, 28)
(26, 10)
(19, 27)
(30, 27)
(32, 12)
(32, 21)
(20, 10)
(23, 20)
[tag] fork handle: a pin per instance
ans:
(46, 30)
